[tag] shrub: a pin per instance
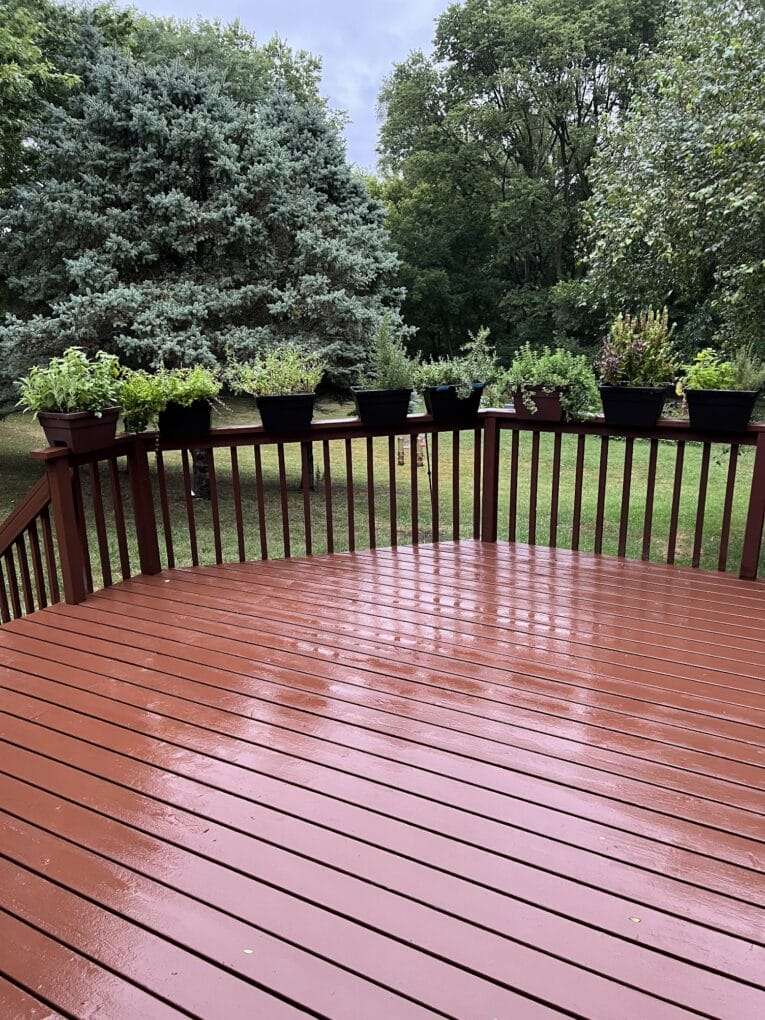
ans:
(391, 367)
(284, 370)
(638, 351)
(553, 370)
(70, 383)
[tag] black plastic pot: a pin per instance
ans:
(382, 409)
(446, 407)
(547, 403)
(632, 407)
(720, 410)
(290, 412)
(177, 422)
(81, 431)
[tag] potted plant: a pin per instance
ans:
(75, 399)
(283, 382)
(550, 385)
(384, 403)
(453, 387)
(721, 393)
(637, 368)
(187, 396)
(142, 398)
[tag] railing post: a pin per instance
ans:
(490, 488)
(143, 509)
(70, 548)
(755, 519)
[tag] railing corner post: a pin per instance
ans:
(65, 519)
(143, 508)
(755, 518)
(490, 488)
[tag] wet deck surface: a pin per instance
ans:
(470, 781)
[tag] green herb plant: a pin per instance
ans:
(476, 365)
(186, 386)
(554, 370)
(70, 383)
(639, 350)
(390, 368)
(711, 370)
(287, 369)
(142, 397)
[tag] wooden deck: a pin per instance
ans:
(467, 780)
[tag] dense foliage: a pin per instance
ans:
(284, 370)
(712, 371)
(556, 370)
(638, 350)
(486, 146)
(70, 383)
(390, 367)
(678, 213)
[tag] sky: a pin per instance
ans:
(358, 41)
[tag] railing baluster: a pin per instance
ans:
(477, 482)
(100, 521)
(533, 488)
(37, 564)
(730, 489)
(260, 501)
(13, 585)
(5, 609)
(555, 491)
(576, 521)
(190, 514)
(624, 516)
(350, 496)
(755, 516)
(649, 499)
(164, 505)
(306, 460)
(284, 501)
(26, 578)
(455, 485)
(675, 511)
(330, 523)
(236, 489)
(82, 528)
(512, 522)
(392, 494)
(371, 492)
(50, 557)
(698, 536)
(601, 506)
(214, 504)
(142, 495)
(435, 503)
(413, 445)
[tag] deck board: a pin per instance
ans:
(467, 780)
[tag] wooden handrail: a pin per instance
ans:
(31, 506)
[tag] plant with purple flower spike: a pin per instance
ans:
(638, 350)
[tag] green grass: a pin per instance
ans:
(18, 435)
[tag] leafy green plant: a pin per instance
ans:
(70, 383)
(477, 364)
(711, 370)
(185, 386)
(391, 367)
(142, 397)
(284, 370)
(638, 350)
(553, 370)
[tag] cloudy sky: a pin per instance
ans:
(358, 41)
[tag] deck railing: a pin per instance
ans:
(132, 507)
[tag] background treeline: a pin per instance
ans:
(179, 193)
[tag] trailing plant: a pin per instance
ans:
(638, 350)
(186, 386)
(390, 368)
(476, 365)
(142, 397)
(70, 383)
(286, 369)
(554, 370)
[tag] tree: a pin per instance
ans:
(486, 147)
(678, 211)
(172, 225)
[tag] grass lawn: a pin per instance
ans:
(18, 435)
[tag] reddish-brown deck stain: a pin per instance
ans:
(467, 780)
